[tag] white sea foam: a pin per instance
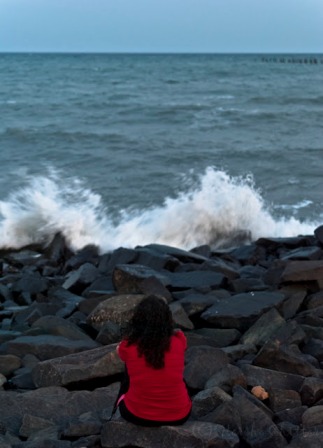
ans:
(212, 212)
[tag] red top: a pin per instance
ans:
(157, 394)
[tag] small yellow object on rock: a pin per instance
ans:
(259, 392)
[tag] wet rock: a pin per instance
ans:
(291, 415)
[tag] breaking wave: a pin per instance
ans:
(218, 210)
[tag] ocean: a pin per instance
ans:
(131, 149)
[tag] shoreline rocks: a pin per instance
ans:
(252, 315)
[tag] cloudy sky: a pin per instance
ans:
(161, 25)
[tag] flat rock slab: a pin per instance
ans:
(195, 279)
(301, 271)
(84, 366)
(241, 310)
(47, 346)
(117, 434)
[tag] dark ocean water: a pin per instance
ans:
(121, 150)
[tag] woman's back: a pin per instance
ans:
(157, 394)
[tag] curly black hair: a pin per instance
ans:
(151, 328)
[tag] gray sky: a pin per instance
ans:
(162, 25)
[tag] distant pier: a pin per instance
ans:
(314, 60)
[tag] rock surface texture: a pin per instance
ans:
(252, 315)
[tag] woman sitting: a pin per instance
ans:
(154, 357)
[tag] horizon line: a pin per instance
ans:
(251, 53)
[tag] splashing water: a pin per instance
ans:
(214, 212)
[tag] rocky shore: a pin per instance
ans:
(252, 314)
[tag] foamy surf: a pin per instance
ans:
(217, 209)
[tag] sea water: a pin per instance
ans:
(131, 149)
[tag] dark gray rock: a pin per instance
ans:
(195, 279)
(281, 399)
(109, 334)
(201, 363)
(318, 232)
(180, 318)
(303, 253)
(292, 304)
(156, 259)
(221, 336)
(311, 391)
(180, 254)
(77, 280)
(52, 403)
(190, 435)
(268, 378)
(227, 415)
(108, 262)
(83, 425)
(32, 424)
(307, 439)
(284, 359)
(88, 254)
(226, 378)
(57, 251)
(59, 327)
(313, 417)
(84, 366)
(241, 310)
(127, 279)
(291, 415)
(207, 400)
(102, 285)
(303, 271)
(197, 303)
(314, 347)
(118, 309)
(8, 364)
(30, 283)
(265, 327)
(258, 430)
(314, 300)
(47, 346)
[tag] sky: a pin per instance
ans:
(193, 26)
